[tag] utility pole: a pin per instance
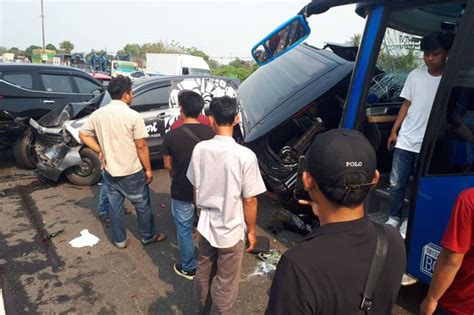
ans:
(42, 24)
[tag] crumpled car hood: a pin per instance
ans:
(280, 89)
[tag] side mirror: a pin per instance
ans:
(284, 38)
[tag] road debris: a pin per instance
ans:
(86, 239)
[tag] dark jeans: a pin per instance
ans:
(134, 188)
(402, 167)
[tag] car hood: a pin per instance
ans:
(280, 89)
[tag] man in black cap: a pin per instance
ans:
(327, 274)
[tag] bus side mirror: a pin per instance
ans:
(282, 39)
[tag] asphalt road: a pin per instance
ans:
(39, 274)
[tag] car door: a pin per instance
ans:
(58, 89)
(152, 102)
(19, 95)
(86, 87)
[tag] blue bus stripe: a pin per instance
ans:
(358, 80)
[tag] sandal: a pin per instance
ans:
(159, 237)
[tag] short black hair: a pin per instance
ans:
(437, 40)
(118, 86)
(349, 190)
(224, 110)
(191, 102)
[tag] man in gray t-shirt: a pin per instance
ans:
(226, 180)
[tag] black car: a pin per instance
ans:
(31, 91)
(59, 148)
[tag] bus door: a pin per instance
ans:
(389, 51)
(447, 155)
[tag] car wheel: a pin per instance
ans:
(24, 151)
(88, 172)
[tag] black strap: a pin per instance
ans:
(190, 133)
(375, 268)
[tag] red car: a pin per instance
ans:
(103, 77)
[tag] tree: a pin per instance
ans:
(67, 46)
(16, 51)
(29, 51)
(51, 47)
(355, 40)
(3, 50)
(132, 49)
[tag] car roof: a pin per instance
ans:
(166, 79)
(281, 88)
(33, 66)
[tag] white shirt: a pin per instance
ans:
(223, 172)
(420, 89)
(116, 126)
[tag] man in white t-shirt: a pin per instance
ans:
(226, 180)
(419, 92)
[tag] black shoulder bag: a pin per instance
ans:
(375, 268)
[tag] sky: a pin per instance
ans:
(222, 28)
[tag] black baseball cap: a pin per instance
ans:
(338, 152)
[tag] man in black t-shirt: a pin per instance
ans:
(178, 146)
(327, 274)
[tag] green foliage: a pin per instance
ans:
(29, 50)
(16, 51)
(67, 46)
(3, 50)
(237, 68)
(355, 40)
(402, 63)
(51, 47)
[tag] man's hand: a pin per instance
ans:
(391, 141)
(251, 240)
(102, 160)
(428, 306)
(149, 176)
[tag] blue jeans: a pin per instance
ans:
(183, 213)
(403, 164)
(104, 205)
(134, 188)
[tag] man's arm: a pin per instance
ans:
(402, 113)
(144, 156)
(250, 214)
(168, 163)
(446, 268)
(90, 141)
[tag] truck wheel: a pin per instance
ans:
(24, 151)
(86, 174)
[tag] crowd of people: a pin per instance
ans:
(215, 181)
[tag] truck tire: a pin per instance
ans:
(88, 173)
(24, 151)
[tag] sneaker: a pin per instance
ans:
(178, 268)
(403, 228)
(393, 221)
(408, 280)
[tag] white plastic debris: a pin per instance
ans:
(86, 239)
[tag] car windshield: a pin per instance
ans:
(195, 71)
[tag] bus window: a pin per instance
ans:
(454, 147)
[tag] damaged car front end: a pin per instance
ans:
(286, 103)
(58, 147)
